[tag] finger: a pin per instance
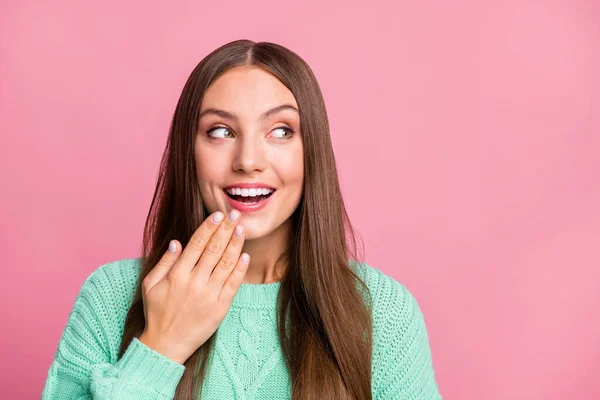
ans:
(233, 282)
(215, 247)
(197, 243)
(163, 266)
(228, 260)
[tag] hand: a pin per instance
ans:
(185, 297)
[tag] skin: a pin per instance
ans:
(251, 149)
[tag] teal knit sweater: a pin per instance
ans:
(248, 363)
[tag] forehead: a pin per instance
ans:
(247, 89)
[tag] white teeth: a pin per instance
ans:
(249, 192)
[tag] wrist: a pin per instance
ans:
(154, 345)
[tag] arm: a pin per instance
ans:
(82, 367)
(404, 368)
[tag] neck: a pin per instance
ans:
(264, 253)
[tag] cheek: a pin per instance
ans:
(289, 165)
(298, 164)
(208, 165)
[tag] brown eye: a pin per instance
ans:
(285, 129)
(216, 129)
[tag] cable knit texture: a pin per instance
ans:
(247, 363)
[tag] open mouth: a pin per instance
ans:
(248, 199)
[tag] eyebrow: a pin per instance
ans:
(233, 117)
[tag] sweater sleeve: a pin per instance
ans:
(83, 368)
(403, 368)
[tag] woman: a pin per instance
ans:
(249, 286)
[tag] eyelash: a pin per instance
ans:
(284, 127)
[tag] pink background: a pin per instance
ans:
(467, 136)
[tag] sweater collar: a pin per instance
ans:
(252, 294)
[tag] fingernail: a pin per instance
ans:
(234, 215)
(172, 247)
(245, 258)
(239, 230)
(218, 217)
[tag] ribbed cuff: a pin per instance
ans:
(150, 369)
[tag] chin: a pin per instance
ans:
(254, 233)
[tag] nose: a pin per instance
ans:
(250, 154)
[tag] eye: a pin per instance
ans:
(217, 129)
(285, 129)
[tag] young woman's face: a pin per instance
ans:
(245, 136)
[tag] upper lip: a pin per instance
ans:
(250, 185)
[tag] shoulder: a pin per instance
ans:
(116, 276)
(92, 336)
(385, 290)
(392, 302)
(112, 285)
(104, 301)
(401, 351)
(394, 307)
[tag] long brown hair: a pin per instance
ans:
(324, 324)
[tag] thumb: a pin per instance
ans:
(163, 267)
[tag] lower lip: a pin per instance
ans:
(244, 207)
